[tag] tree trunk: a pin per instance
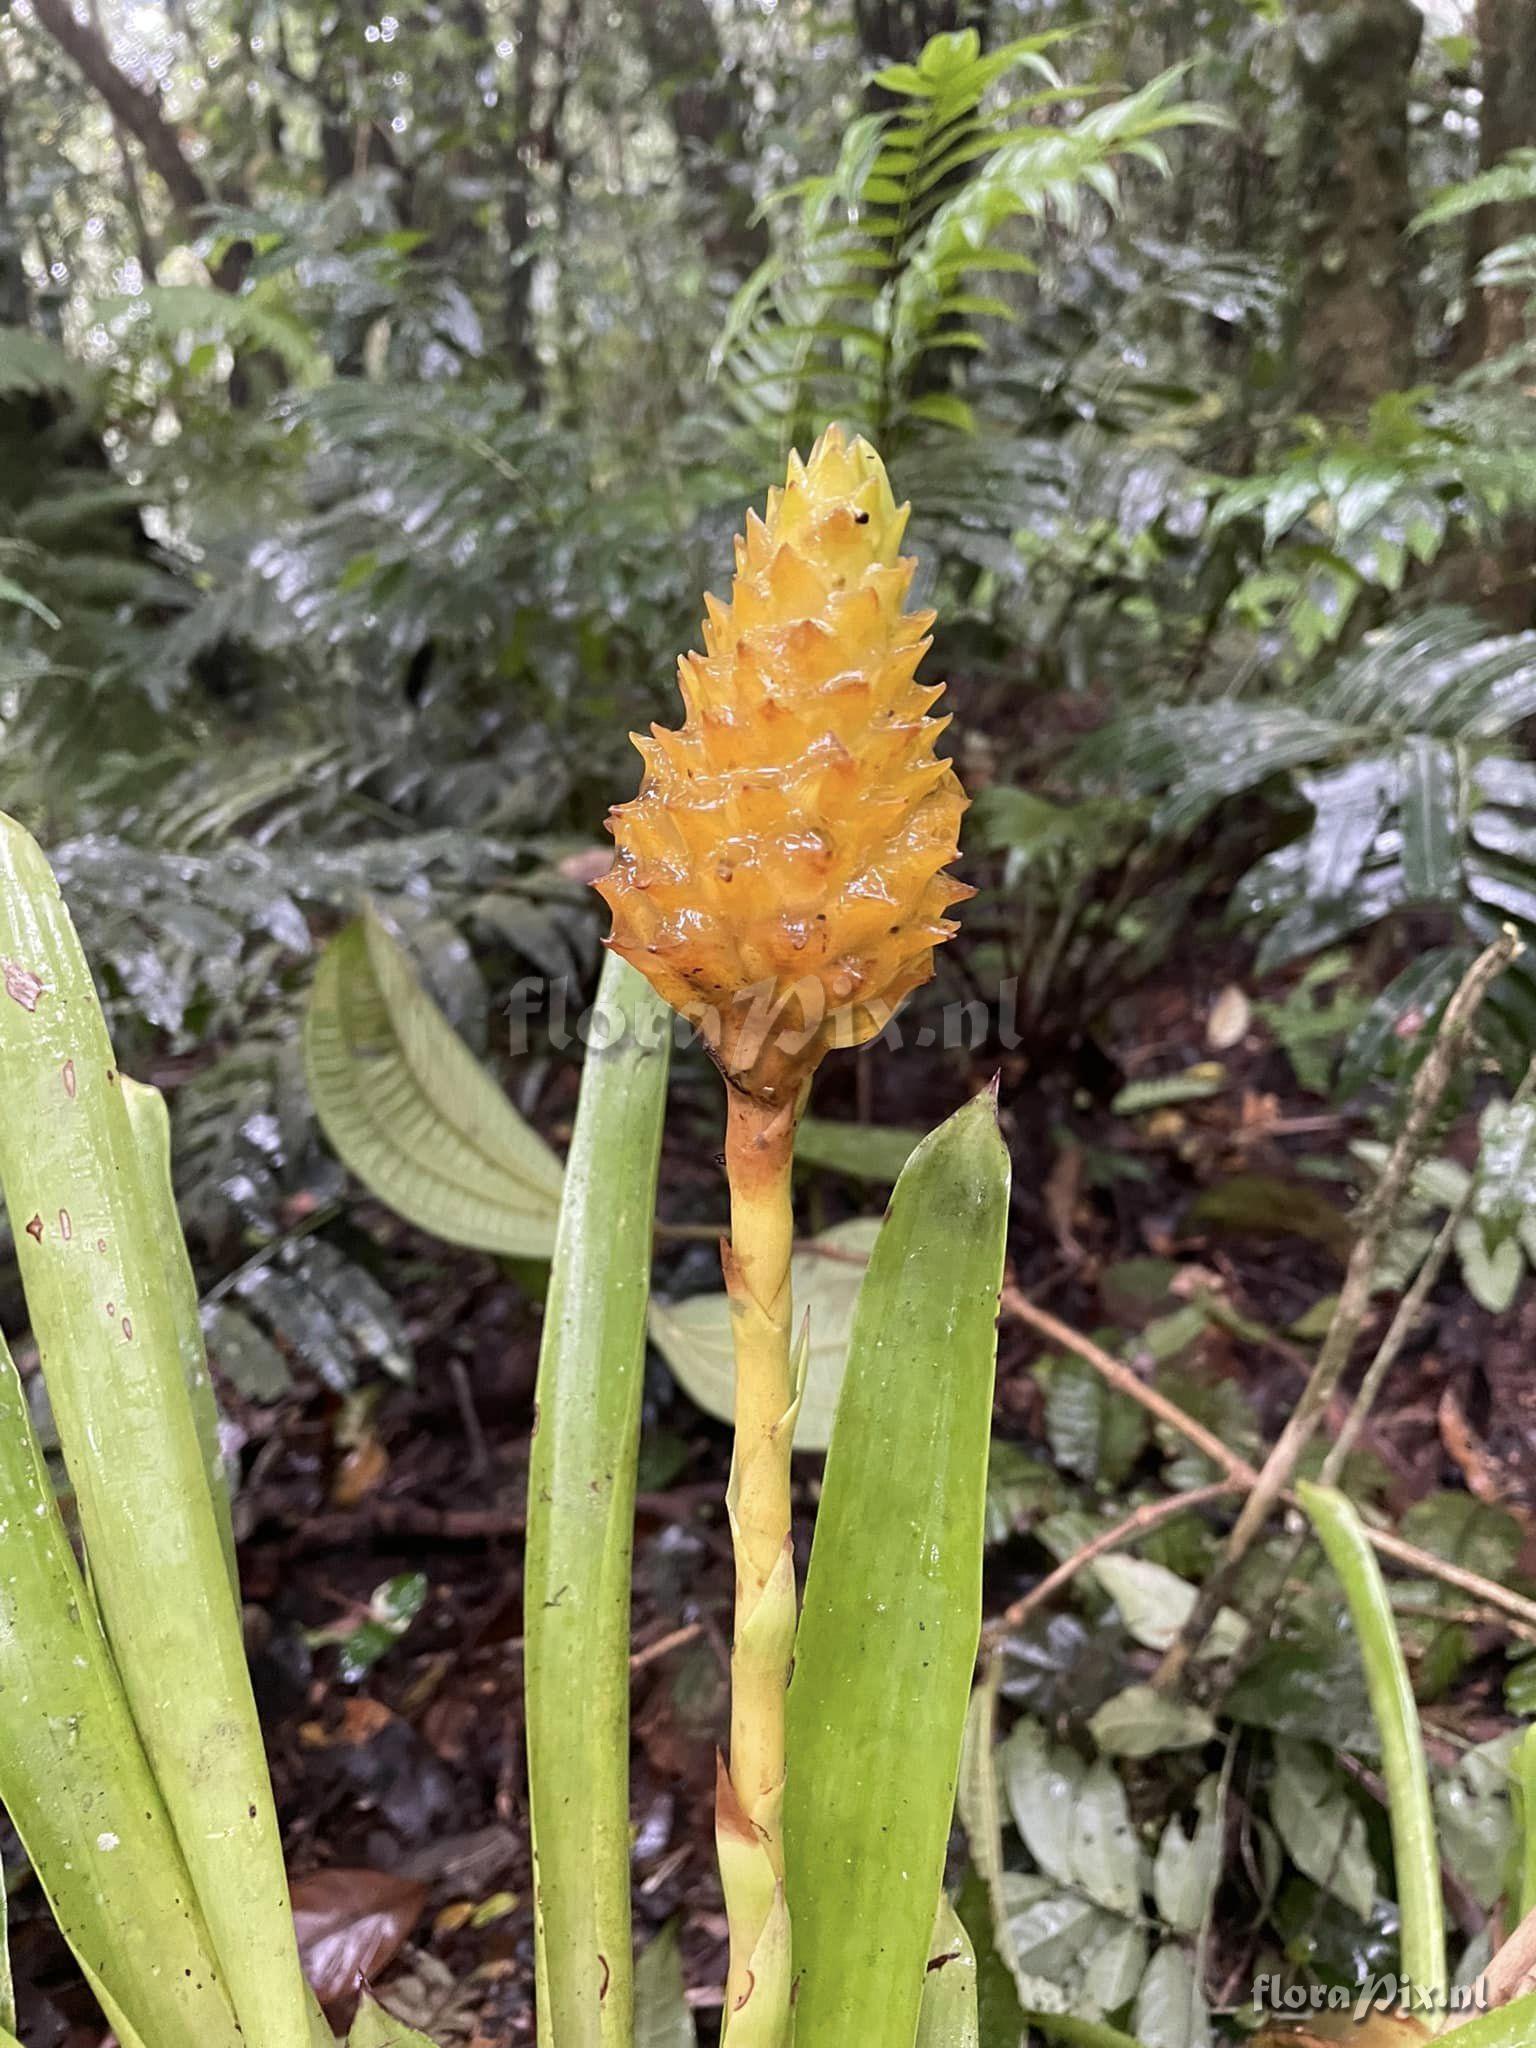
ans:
(517, 204)
(137, 113)
(1506, 35)
(710, 107)
(894, 31)
(13, 275)
(1353, 203)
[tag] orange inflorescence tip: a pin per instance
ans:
(780, 877)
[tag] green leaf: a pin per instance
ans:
(1350, 803)
(152, 1130)
(1043, 1780)
(412, 1113)
(1322, 1829)
(1170, 2011)
(1105, 1856)
(1155, 1603)
(892, 1612)
(1475, 1817)
(103, 1312)
(1492, 1272)
(1167, 1090)
(1504, 1184)
(945, 409)
(948, 2018)
(1512, 2026)
(1403, 1015)
(1187, 1868)
(875, 1152)
(1415, 1850)
(1429, 814)
(75, 1779)
(1093, 1430)
(662, 2018)
(581, 1494)
(694, 1335)
(376, 2028)
(1141, 1722)
(12, 593)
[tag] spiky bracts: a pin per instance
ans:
(780, 877)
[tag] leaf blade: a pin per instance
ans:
(895, 1568)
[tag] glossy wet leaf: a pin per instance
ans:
(394, 1605)
(1430, 811)
(1401, 1017)
(1093, 1430)
(412, 1112)
(1349, 803)
(888, 1635)
(694, 1335)
(351, 1924)
(1043, 1782)
(1504, 1183)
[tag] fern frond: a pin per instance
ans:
(29, 364)
(883, 278)
(1507, 183)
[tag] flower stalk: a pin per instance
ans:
(759, 1151)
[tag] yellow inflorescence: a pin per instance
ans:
(780, 877)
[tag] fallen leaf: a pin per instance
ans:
(359, 1473)
(1231, 1014)
(350, 1923)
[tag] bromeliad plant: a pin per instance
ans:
(780, 880)
(131, 1760)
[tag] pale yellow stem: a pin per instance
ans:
(758, 1152)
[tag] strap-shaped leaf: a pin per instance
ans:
(411, 1111)
(887, 1641)
(581, 1498)
(74, 1777)
(88, 1241)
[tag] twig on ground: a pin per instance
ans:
(1378, 1214)
(1240, 1475)
(1149, 1516)
(1121, 1377)
(1513, 1965)
(1409, 1309)
(675, 1639)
